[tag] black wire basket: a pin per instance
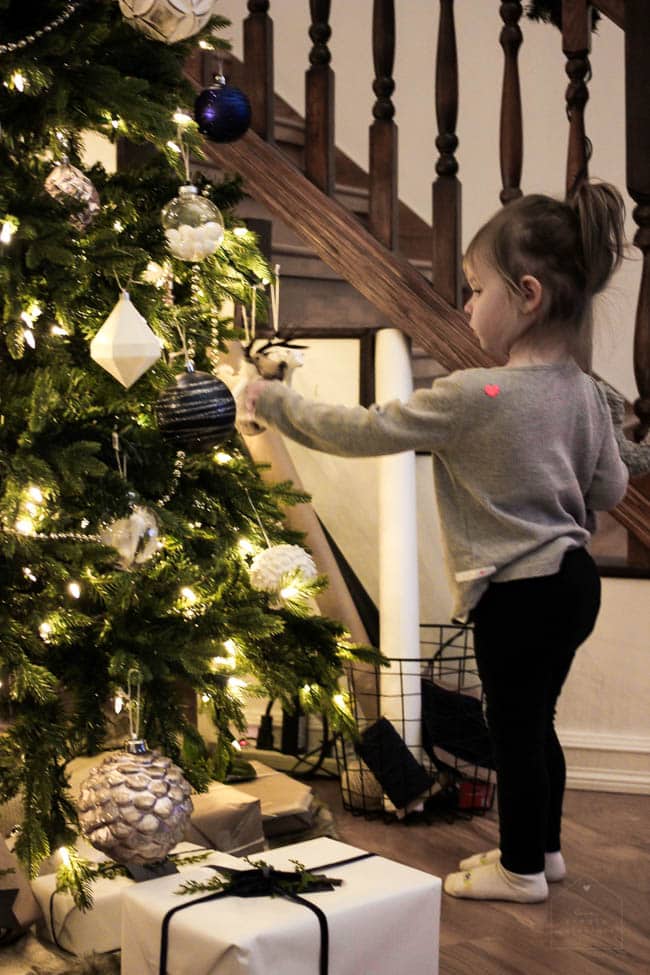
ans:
(423, 742)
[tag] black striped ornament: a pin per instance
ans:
(197, 412)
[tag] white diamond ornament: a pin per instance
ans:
(168, 21)
(125, 346)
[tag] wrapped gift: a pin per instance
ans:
(227, 819)
(382, 919)
(98, 929)
(18, 908)
(287, 804)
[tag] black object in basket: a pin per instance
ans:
(400, 775)
(454, 722)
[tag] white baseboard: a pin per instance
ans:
(603, 762)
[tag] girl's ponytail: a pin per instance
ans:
(600, 211)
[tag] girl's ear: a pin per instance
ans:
(531, 290)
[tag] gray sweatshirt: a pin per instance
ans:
(522, 456)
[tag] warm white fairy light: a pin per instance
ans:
(118, 703)
(65, 855)
(75, 590)
(245, 546)
(205, 698)
(18, 81)
(339, 701)
(9, 228)
(236, 684)
(118, 225)
(27, 572)
(174, 146)
(223, 662)
(221, 457)
(236, 745)
(115, 122)
(31, 508)
(35, 493)
(240, 231)
(231, 647)
(182, 118)
(45, 631)
(25, 526)
(58, 330)
(30, 338)
(188, 594)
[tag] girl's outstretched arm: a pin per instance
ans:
(429, 420)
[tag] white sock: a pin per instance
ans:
(493, 882)
(554, 865)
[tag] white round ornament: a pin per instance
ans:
(135, 537)
(193, 225)
(135, 806)
(271, 567)
(168, 21)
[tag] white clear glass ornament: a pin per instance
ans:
(135, 537)
(125, 346)
(193, 225)
(168, 21)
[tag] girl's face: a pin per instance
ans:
(494, 312)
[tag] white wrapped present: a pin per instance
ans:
(382, 920)
(98, 929)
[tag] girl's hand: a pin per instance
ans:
(246, 402)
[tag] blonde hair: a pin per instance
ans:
(571, 246)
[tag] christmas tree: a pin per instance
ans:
(123, 558)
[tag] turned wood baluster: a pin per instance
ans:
(319, 101)
(576, 44)
(511, 139)
(383, 131)
(258, 60)
(447, 272)
(637, 104)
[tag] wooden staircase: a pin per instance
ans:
(327, 216)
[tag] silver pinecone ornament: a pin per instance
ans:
(135, 806)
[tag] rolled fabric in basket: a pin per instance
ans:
(400, 774)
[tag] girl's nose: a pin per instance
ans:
(468, 306)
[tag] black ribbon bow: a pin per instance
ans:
(266, 881)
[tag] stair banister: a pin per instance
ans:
(637, 98)
(383, 131)
(258, 55)
(446, 273)
(576, 45)
(319, 101)
(511, 122)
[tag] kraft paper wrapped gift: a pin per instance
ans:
(382, 920)
(18, 908)
(287, 804)
(98, 929)
(227, 819)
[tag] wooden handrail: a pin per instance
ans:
(614, 9)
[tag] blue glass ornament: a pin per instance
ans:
(222, 112)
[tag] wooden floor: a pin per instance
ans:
(596, 921)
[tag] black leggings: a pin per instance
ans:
(526, 633)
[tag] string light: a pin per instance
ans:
(35, 494)
(289, 592)
(236, 684)
(236, 745)
(231, 647)
(223, 661)
(246, 547)
(58, 330)
(25, 526)
(30, 338)
(27, 572)
(240, 231)
(9, 228)
(65, 855)
(221, 457)
(118, 225)
(188, 594)
(182, 118)
(18, 81)
(115, 122)
(174, 146)
(205, 698)
(45, 630)
(118, 704)
(75, 590)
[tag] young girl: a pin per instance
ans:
(523, 453)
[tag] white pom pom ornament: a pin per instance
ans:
(270, 568)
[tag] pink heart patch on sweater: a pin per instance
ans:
(491, 389)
